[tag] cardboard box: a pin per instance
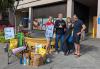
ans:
(37, 60)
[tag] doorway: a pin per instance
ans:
(86, 10)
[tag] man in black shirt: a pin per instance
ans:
(60, 25)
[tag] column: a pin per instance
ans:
(30, 18)
(98, 20)
(11, 17)
(70, 8)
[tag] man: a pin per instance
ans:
(60, 25)
(79, 27)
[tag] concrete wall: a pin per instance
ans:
(98, 25)
(93, 12)
(30, 3)
(82, 11)
(50, 10)
(18, 17)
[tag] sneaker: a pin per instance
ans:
(56, 52)
(65, 53)
(61, 52)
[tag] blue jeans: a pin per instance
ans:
(61, 38)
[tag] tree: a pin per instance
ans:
(7, 5)
(4, 4)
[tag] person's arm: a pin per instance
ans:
(83, 28)
(64, 26)
(56, 24)
(72, 25)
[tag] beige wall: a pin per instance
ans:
(32, 3)
(50, 10)
(93, 13)
(98, 25)
(18, 18)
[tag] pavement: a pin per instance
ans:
(90, 59)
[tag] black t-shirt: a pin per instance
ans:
(78, 26)
(57, 24)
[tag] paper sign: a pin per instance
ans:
(99, 20)
(49, 31)
(9, 32)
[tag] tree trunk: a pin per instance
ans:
(0, 15)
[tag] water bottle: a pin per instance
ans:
(27, 61)
(24, 61)
(21, 60)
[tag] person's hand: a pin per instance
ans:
(78, 33)
(64, 30)
(60, 26)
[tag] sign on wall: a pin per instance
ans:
(99, 20)
(9, 32)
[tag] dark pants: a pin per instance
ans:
(61, 38)
(67, 45)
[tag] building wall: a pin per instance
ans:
(98, 25)
(50, 10)
(30, 3)
(82, 12)
(18, 17)
(93, 12)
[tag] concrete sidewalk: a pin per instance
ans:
(90, 58)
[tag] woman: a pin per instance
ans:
(49, 32)
(36, 24)
(68, 45)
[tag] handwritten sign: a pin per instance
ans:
(9, 32)
(49, 31)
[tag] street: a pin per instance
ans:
(90, 59)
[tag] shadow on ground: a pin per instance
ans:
(88, 48)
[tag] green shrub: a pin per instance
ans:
(2, 39)
(1, 33)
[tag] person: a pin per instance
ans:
(36, 24)
(68, 45)
(60, 25)
(79, 27)
(49, 33)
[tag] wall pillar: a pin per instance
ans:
(98, 21)
(30, 18)
(11, 17)
(70, 8)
